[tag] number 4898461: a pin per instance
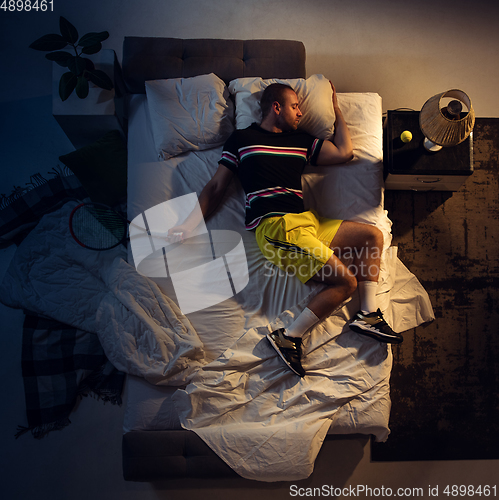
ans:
(27, 5)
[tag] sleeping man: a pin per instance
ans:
(269, 160)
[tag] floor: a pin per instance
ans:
(444, 380)
(406, 53)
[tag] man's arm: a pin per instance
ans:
(209, 200)
(340, 150)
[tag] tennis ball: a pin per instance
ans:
(406, 136)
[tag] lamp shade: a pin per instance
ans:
(444, 130)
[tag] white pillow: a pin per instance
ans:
(314, 95)
(189, 114)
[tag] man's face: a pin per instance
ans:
(289, 112)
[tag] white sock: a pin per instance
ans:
(305, 320)
(367, 294)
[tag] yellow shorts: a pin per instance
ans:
(297, 243)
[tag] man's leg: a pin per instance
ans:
(364, 243)
(361, 244)
(341, 285)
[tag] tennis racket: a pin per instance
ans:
(98, 227)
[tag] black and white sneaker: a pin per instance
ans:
(373, 325)
(289, 348)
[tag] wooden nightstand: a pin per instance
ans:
(409, 166)
(87, 120)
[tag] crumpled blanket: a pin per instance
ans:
(264, 421)
(267, 423)
(141, 330)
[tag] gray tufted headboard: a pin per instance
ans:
(148, 58)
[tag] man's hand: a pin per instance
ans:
(209, 199)
(339, 149)
(335, 98)
(178, 234)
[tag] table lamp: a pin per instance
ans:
(445, 126)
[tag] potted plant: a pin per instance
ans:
(81, 69)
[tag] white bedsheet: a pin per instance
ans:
(259, 417)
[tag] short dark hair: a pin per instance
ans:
(274, 92)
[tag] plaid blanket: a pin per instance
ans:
(25, 206)
(59, 364)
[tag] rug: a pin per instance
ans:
(445, 391)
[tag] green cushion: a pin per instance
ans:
(101, 168)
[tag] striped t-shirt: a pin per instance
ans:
(270, 166)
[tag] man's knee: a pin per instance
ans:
(370, 237)
(339, 276)
(356, 235)
(376, 236)
(347, 285)
(374, 241)
(350, 284)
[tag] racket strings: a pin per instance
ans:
(98, 227)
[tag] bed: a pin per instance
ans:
(230, 404)
(205, 394)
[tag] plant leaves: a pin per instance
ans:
(61, 57)
(77, 65)
(49, 43)
(82, 87)
(89, 65)
(68, 31)
(93, 38)
(92, 49)
(99, 78)
(67, 84)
